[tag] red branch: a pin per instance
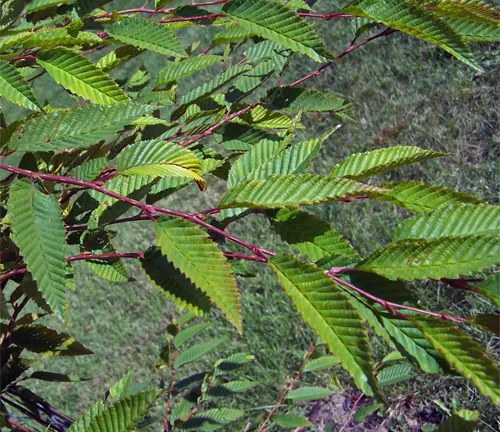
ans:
(392, 307)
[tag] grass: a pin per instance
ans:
(405, 93)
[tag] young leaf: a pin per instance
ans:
(294, 190)
(294, 99)
(190, 249)
(409, 18)
(463, 354)
(395, 374)
(172, 283)
(308, 393)
(230, 388)
(452, 221)
(120, 389)
(189, 332)
(14, 88)
(81, 76)
(117, 57)
(446, 257)
(196, 352)
(275, 21)
(147, 34)
(327, 310)
(321, 363)
(212, 419)
(75, 127)
(39, 233)
(182, 69)
(366, 164)
(419, 197)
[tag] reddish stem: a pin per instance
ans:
(193, 18)
(392, 307)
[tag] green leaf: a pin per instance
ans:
(212, 419)
(321, 363)
(14, 88)
(90, 169)
(275, 21)
(463, 421)
(237, 137)
(158, 158)
(293, 190)
(36, 5)
(232, 33)
(76, 127)
(39, 233)
(81, 76)
(325, 307)
(195, 352)
(189, 332)
(409, 18)
(463, 354)
(119, 417)
(233, 362)
(147, 34)
(452, 221)
(117, 57)
(294, 99)
(54, 377)
(172, 283)
(395, 374)
(120, 389)
(263, 118)
(191, 250)
(361, 165)
(446, 257)
(57, 37)
(290, 421)
(419, 197)
(175, 71)
(209, 87)
(228, 389)
(40, 339)
(308, 393)
(365, 411)
(490, 287)
(310, 235)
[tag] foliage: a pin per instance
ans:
(69, 174)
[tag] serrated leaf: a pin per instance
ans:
(197, 351)
(158, 158)
(294, 190)
(263, 118)
(308, 393)
(147, 34)
(191, 250)
(89, 170)
(275, 21)
(14, 88)
(212, 419)
(310, 235)
(173, 284)
(175, 71)
(81, 76)
(463, 354)
(452, 221)
(328, 311)
(38, 231)
(490, 287)
(36, 5)
(83, 422)
(120, 389)
(446, 257)
(40, 339)
(119, 417)
(290, 421)
(232, 33)
(75, 127)
(395, 374)
(420, 197)
(361, 165)
(294, 99)
(409, 18)
(57, 37)
(321, 363)
(233, 362)
(184, 335)
(236, 137)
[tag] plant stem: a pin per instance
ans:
(392, 307)
(288, 387)
(149, 210)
